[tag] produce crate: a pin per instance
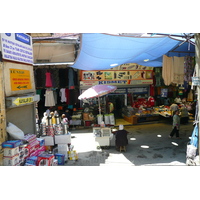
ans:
(132, 119)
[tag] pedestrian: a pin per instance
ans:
(184, 116)
(120, 137)
(67, 114)
(176, 125)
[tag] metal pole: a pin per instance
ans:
(197, 55)
(99, 106)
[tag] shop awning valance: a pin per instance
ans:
(103, 51)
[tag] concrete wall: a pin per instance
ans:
(23, 117)
(54, 52)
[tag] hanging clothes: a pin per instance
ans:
(178, 70)
(48, 80)
(167, 69)
(62, 95)
(49, 98)
(40, 77)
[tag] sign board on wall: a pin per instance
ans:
(117, 77)
(17, 47)
(20, 79)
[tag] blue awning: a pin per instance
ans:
(103, 51)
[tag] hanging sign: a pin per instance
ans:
(20, 79)
(17, 47)
(21, 101)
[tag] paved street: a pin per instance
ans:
(149, 144)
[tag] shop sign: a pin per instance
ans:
(88, 83)
(137, 90)
(20, 79)
(118, 76)
(17, 47)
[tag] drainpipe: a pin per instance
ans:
(197, 55)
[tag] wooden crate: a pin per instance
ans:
(132, 119)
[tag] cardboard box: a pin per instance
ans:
(11, 151)
(63, 139)
(39, 151)
(41, 141)
(30, 137)
(32, 160)
(45, 160)
(11, 161)
(60, 158)
(48, 140)
(11, 143)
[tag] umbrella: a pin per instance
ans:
(97, 91)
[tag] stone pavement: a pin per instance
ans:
(149, 144)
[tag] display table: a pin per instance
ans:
(103, 136)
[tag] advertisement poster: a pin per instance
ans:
(17, 47)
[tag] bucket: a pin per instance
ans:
(88, 123)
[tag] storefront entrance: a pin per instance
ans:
(119, 101)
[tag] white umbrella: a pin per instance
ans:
(97, 91)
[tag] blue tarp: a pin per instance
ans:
(99, 51)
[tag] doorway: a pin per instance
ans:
(119, 101)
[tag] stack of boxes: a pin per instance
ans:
(11, 152)
(32, 151)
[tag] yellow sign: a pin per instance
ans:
(20, 101)
(20, 79)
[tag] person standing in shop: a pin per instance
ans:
(173, 108)
(178, 100)
(176, 125)
(110, 106)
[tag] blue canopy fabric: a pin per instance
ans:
(101, 51)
